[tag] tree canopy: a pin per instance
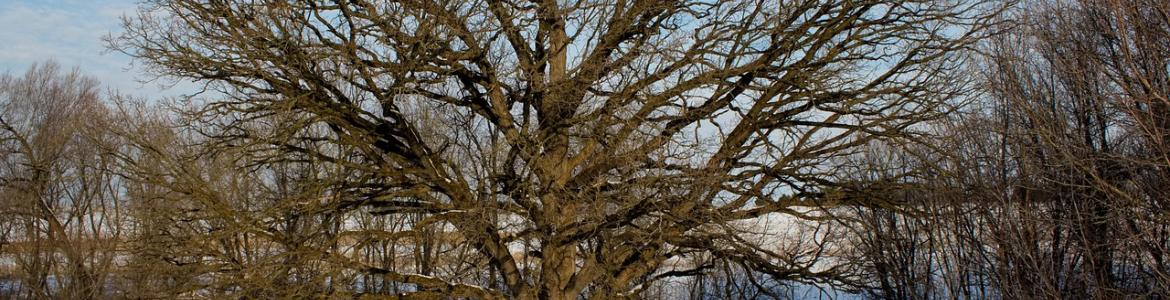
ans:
(580, 147)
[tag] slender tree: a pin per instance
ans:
(61, 210)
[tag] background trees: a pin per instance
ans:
(62, 216)
(1085, 136)
(1056, 174)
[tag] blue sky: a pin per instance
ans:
(71, 32)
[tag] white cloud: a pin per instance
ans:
(71, 32)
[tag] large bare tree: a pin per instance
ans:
(579, 147)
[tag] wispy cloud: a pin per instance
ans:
(71, 32)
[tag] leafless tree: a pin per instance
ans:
(1053, 184)
(1086, 135)
(61, 213)
(578, 147)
